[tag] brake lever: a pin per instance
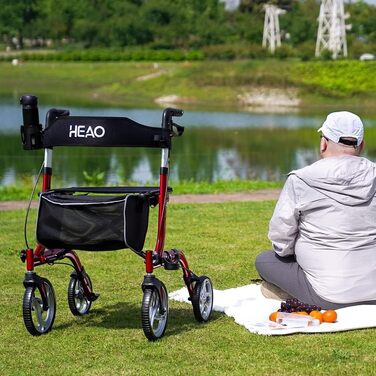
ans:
(179, 129)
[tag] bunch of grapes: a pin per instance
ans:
(294, 305)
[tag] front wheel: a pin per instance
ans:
(154, 312)
(38, 318)
(78, 302)
(202, 299)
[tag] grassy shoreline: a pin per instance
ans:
(199, 84)
(15, 193)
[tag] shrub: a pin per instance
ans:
(326, 55)
(234, 51)
(110, 55)
(285, 51)
(306, 51)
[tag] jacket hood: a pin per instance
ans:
(349, 180)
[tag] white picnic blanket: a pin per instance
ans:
(251, 309)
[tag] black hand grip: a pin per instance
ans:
(31, 130)
(30, 112)
(176, 112)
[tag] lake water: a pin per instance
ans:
(215, 146)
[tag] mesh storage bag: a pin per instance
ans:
(93, 223)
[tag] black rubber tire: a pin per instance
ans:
(154, 313)
(202, 300)
(38, 321)
(78, 303)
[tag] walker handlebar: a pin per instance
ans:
(31, 130)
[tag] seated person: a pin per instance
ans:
(323, 229)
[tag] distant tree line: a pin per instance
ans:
(171, 24)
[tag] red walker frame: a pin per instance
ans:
(199, 288)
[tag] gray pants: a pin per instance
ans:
(286, 273)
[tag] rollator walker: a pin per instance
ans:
(101, 219)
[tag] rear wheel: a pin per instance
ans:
(202, 300)
(38, 318)
(78, 302)
(154, 312)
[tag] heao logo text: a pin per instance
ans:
(86, 131)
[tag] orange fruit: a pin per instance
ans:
(273, 316)
(302, 313)
(316, 315)
(329, 316)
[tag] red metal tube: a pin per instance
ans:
(46, 184)
(29, 260)
(162, 202)
(186, 273)
(72, 256)
(38, 250)
(184, 264)
(149, 261)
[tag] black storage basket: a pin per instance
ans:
(92, 223)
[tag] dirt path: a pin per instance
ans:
(261, 195)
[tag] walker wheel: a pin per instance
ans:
(78, 302)
(37, 318)
(202, 299)
(154, 312)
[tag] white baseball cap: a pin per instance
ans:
(342, 124)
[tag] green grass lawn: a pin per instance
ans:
(219, 240)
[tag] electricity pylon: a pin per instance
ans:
(331, 34)
(272, 35)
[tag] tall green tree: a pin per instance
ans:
(300, 22)
(17, 18)
(363, 21)
(171, 23)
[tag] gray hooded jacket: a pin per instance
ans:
(326, 216)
